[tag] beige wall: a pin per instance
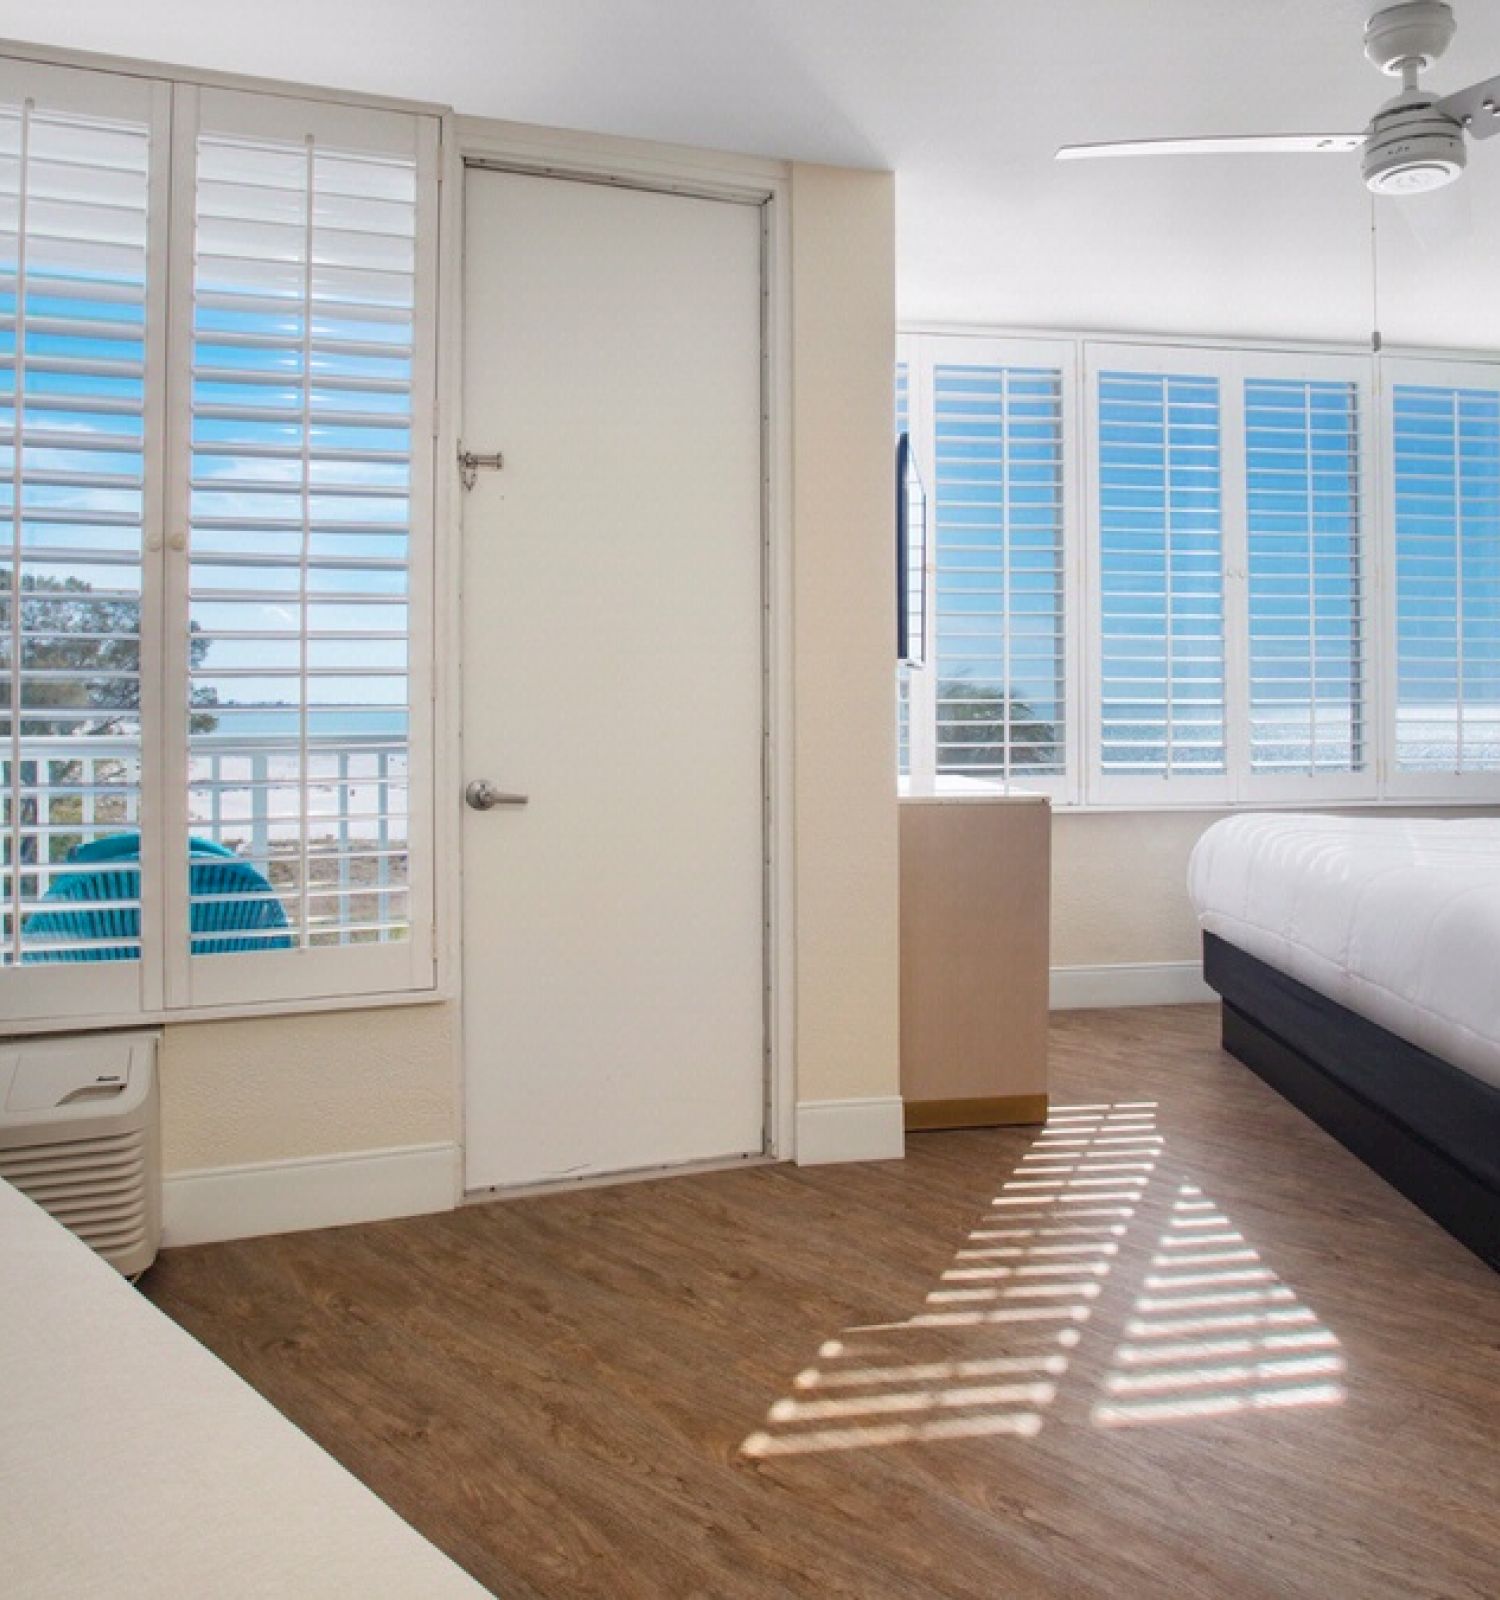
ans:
(1119, 885)
(843, 355)
(278, 1088)
(270, 1089)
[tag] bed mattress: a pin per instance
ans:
(1395, 919)
(134, 1465)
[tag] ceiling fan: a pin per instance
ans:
(1414, 142)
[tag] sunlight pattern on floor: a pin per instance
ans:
(1215, 1331)
(990, 1345)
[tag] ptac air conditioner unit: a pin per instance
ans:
(79, 1134)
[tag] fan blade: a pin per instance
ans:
(1264, 144)
(1477, 107)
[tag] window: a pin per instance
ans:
(1445, 449)
(216, 584)
(1247, 619)
(303, 698)
(996, 693)
(1305, 517)
(78, 296)
(1160, 562)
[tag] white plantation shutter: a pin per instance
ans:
(216, 556)
(81, 209)
(1159, 531)
(306, 377)
(1445, 464)
(1270, 604)
(991, 422)
(1306, 606)
(999, 492)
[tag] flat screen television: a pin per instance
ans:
(911, 558)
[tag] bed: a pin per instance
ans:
(1358, 961)
(134, 1465)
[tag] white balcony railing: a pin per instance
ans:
(332, 842)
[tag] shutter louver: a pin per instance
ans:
(74, 226)
(1447, 534)
(1306, 591)
(1161, 603)
(302, 386)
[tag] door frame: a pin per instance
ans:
(514, 147)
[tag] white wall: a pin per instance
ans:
(1119, 886)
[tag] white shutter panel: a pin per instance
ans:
(1159, 558)
(1306, 604)
(1445, 449)
(306, 379)
(999, 494)
(81, 208)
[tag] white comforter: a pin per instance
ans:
(1398, 920)
(134, 1465)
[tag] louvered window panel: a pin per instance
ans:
(1306, 590)
(74, 245)
(1447, 533)
(903, 672)
(1160, 561)
(305, 308)
(999, 490)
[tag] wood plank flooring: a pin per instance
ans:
(1177, 1344)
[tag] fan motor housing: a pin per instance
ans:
(1412, 150)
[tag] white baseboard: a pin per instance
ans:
(1133, 983)
(850, 1130)
(217, 1203)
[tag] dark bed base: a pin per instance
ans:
(1427, 1128)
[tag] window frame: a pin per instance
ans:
(922, 353)
(162, 986)
(1080, 355)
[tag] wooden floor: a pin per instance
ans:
(1179, 1344)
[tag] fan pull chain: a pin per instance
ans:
(1375, 340)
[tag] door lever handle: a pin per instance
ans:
(482, 795)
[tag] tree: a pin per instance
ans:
(975, 720)
(70, 629)
(87, 646)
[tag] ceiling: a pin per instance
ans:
(965, 100)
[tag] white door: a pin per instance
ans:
(613, 676)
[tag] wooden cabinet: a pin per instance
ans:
(975, 896)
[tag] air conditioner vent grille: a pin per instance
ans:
(92, 1163)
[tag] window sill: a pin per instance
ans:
(272, 1008)
(973, 795)
(1399, 803)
